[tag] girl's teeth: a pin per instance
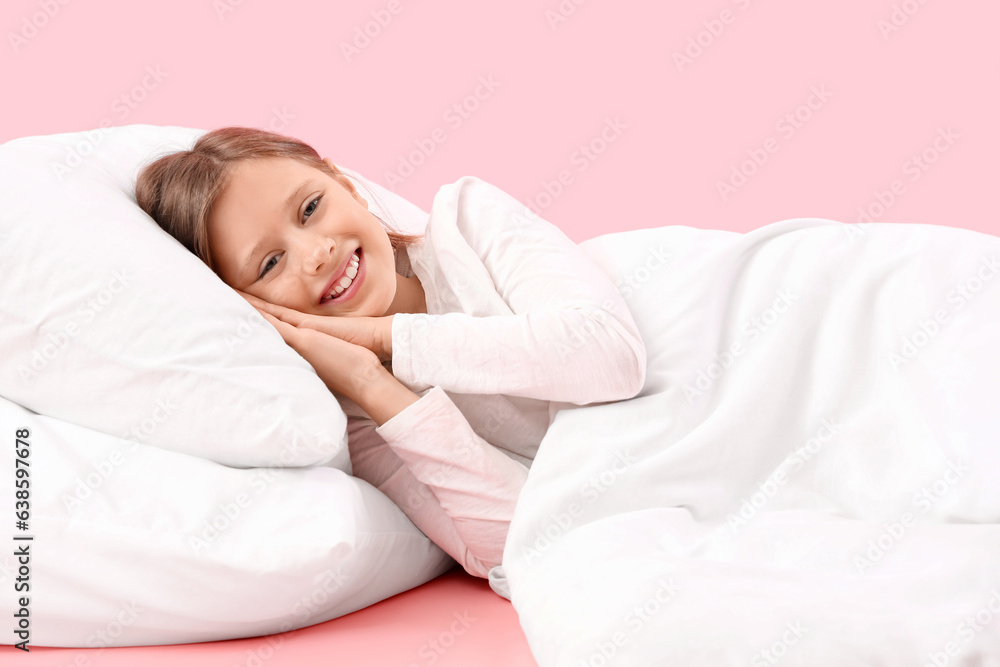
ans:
(349, 275)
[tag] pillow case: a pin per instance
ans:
(108, 322)
(135, 545)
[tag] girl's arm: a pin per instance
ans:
(458, 489)
(455, 487)
(569, 335)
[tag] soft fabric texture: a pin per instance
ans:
(157, 399)
(519, 322)
(808, 476)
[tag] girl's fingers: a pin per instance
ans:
(332, 326)
(289, 315)
(286, 330)
(254, 301)
(249, 297)
(272, 319)
(260, 304)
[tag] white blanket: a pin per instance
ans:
(810, 474)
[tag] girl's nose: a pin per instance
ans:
(320, 255)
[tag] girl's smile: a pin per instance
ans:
(346, 283)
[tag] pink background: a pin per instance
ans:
(900, 80)
(561, 77)
(452, 621)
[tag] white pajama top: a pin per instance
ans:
(520, 323)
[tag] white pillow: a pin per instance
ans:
(108, 322)
(142, 535)
(136, 545)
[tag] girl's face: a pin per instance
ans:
(286, 232)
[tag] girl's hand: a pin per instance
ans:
(346, 369)
(373, 333)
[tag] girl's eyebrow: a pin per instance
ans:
(246, 264)
(295, 195)
(289, 203)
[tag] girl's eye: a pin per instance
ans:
(311, 208)
(267, 267)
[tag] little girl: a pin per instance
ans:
(289, 231)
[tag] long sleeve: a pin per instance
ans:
(458, 489)
(569, 335)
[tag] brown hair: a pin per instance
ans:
(178, 190)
